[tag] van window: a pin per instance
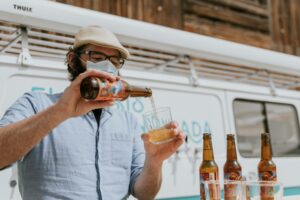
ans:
(255, 117)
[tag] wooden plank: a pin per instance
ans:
(134, 9)
(261, 10)
(140, 9)
(78, 3)
(174, 14)
(129, 9)
(193, 23)
(285, 25)
(253, 2)
(95, 5)
(163, 12)
(71, 2)
(124, 10)
(295, 26)
(112, 5)
(220, 13)
(103, 6)
(119, 7)
(86, 4)
(150, 12)
(285, 28)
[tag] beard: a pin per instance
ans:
(75, 68)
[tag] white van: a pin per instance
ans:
(210, 84)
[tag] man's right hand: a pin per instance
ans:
(72, 104)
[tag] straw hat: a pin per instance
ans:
(101, 37)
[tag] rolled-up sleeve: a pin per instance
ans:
(138, 157)
(21, 109)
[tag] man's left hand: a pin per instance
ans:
(157, 153)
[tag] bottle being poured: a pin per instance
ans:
(95, 88)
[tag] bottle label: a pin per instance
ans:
(111, 90)
(268, 176)
(267, 192)
(209, 190)
(233, 176)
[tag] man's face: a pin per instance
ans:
(77, 61)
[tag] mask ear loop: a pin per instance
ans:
(114, 68)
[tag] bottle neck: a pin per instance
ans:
(135, 91)
(266, 148)
(231, 149)
(208, 153)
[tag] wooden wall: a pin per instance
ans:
(285, 23)
(270, 24)
(163, 12)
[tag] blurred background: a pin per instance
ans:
(269, 24)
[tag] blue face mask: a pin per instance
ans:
(105, 66)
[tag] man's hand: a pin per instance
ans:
(72, 104)
(148, 183)
(157, 153)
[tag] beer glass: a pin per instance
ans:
(263, 190)
(155, 121)
(211, 190)
(234, 190)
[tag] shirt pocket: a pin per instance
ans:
(122, 144)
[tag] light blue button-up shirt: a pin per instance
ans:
(78, 159)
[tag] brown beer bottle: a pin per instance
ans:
(94, 88)
(232, 170)
(209, 170)
(266, 167)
